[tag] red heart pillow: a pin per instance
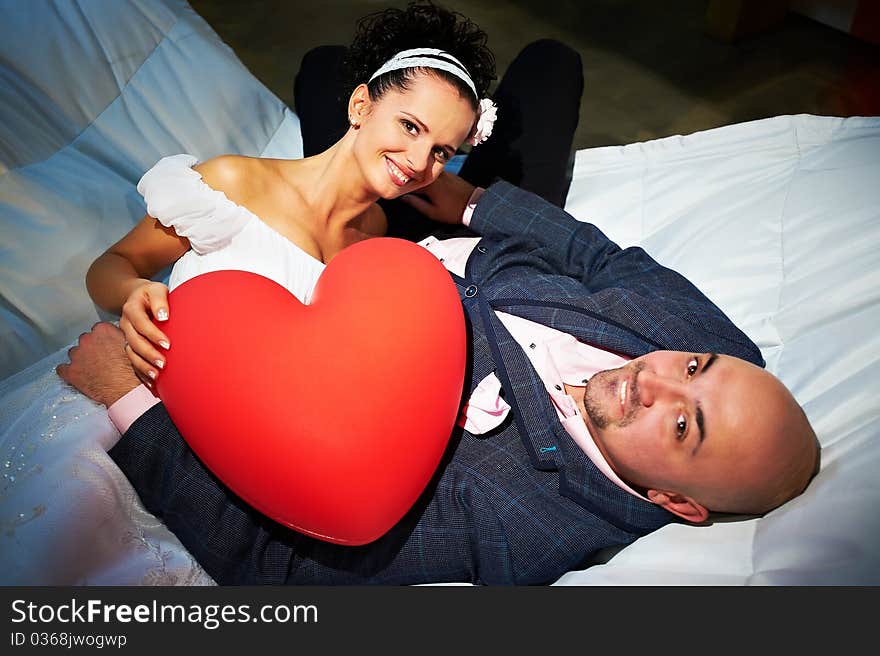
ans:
(330, 418)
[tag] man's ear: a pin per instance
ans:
(359, 105)
(680, 505)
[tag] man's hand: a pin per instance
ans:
(99, 367)
(444, 199)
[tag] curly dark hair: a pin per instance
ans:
(381, 35)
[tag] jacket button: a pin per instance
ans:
(481, 248)
(471, 291)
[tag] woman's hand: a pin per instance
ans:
(444, 199)
(146, 303)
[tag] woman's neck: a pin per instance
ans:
(333, 186)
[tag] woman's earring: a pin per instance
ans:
(353, 123)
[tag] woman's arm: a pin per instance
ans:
(132, 261)
(150, 246)
(119, 281)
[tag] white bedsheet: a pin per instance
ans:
(778, 221)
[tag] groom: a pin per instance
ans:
(608, 397)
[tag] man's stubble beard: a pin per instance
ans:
(609, 380)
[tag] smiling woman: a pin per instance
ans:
(536, 102)
(419, 75)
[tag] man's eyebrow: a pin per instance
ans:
(426, 130)
(711, 359)
(701, 426)
(701, 422)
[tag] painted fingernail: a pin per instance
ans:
(160, 364)
(162, 315)
(164, 344)
(152, 374)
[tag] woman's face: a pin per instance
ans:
(406, 137)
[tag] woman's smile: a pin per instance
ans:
(398, 176)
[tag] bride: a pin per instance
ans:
(287, 219)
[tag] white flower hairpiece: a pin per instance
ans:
(488, 114)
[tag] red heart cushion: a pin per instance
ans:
(330, 418)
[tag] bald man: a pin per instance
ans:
(607, 397)
(725, 435)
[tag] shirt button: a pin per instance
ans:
(482, 249)
(559, 388)
(532, 345)
(471, 291)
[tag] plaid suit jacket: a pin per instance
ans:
(520, 505)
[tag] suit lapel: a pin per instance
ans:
(549, 445)
(564, 305)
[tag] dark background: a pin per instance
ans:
(651, 69)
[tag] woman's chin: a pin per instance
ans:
(391, 195)
(396, 192)
(391, 190)
(388, 190)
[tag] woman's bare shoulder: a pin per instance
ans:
(238, 176)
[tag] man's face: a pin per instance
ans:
(699, 425)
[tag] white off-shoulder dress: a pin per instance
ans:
(67, 513)
(222, 234)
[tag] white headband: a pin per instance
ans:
(487, 112)
(413, 59)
